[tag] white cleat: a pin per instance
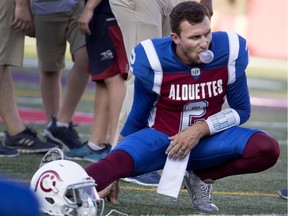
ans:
(200, 192)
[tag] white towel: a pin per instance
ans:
(172, 177)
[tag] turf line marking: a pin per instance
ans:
(236, 193)
(214, 192)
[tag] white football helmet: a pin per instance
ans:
(64, 188)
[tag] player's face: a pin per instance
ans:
(192, 40)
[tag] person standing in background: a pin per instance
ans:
(140, 20)
(108, 67)
(15, 22)
(56, 22)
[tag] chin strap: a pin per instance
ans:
(223, 120)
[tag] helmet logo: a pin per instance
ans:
(47, 181)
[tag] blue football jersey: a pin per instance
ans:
(170, 95)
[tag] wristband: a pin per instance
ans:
(222, 120)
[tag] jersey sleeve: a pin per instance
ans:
(142, 104)
(144, 96)
(140, 67)
(237, 93)
(237, 90)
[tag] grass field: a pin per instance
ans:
(238, 195)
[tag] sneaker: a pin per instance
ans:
(66, 137)
(52, 155)
(86, 153)
(27, 141)
(283, 193)
(8, 152)
(78, 153)
(149, 179)
(200, 193)
(97, 155)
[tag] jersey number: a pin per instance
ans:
(192, 113)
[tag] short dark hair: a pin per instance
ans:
(190, 11)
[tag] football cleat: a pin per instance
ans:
(200, 193)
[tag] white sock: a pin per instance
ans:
(62, 124)
(94, 146)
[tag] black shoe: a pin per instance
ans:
(66, 137)
(27, 141)
(7, 152)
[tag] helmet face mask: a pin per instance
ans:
(83, 199)
(64, 188)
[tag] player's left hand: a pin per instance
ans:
(183, 142)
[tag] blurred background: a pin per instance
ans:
(262, 22)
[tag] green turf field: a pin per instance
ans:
(238, 195)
